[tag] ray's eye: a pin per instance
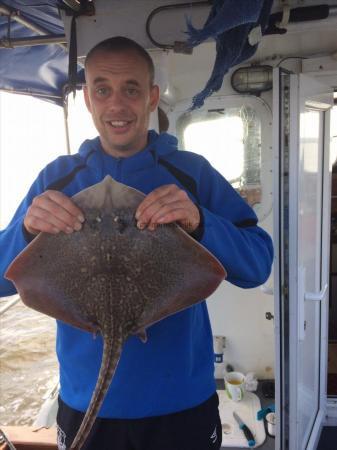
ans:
(121, 224)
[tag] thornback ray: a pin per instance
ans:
(112, 278)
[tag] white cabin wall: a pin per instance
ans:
(189, 73)
(238, 314)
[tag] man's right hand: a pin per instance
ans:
(53, 212)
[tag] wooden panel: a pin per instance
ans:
(24, 438)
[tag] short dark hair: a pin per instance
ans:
(120, 44)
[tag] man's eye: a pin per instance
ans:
(102, 91)
(132, 91)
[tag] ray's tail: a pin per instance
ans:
(111, 353)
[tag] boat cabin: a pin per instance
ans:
(270, 128)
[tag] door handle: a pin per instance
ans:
(303, 297)
(316, 296)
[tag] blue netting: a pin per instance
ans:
(229, 23)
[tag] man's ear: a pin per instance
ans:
(86, 97)
(154, 97)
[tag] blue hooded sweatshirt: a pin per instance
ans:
(174, 369)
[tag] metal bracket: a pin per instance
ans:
(285, 17)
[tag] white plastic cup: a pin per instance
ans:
(271, 423)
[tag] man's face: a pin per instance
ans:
(120, 99)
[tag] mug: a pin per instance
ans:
(234, 385)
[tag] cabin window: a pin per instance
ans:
(219, 139)
(230, 140)
(31, 135)
(80, 124)
(230, 137)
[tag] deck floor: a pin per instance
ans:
(328, 439)
(332, 369)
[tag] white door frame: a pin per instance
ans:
(280, 390)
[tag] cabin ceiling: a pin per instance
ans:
(114, 18)
(167, 26)
(42, 70)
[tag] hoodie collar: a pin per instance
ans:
(158, 146)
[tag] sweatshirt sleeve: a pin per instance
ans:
(13, 239)
(230, 231)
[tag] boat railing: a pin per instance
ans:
(11, 302)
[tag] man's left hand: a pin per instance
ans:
(168, 204)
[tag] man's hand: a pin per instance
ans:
(168, 204)
(53, 212)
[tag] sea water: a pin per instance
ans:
(28, 365)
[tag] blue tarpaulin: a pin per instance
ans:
(40, 70)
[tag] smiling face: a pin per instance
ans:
(120, 98)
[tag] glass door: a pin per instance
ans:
(302, 106)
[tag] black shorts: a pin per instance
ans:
(198, 428)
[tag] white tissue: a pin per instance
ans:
(251, 382)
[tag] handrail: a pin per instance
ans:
(9, 304)
(14, 14)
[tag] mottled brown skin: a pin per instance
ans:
(113, 278)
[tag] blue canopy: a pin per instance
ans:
(40, 70)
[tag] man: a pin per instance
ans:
(162, 396)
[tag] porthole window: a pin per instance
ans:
(218, 136)
(234, 135)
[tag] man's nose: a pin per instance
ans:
(116, 101)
